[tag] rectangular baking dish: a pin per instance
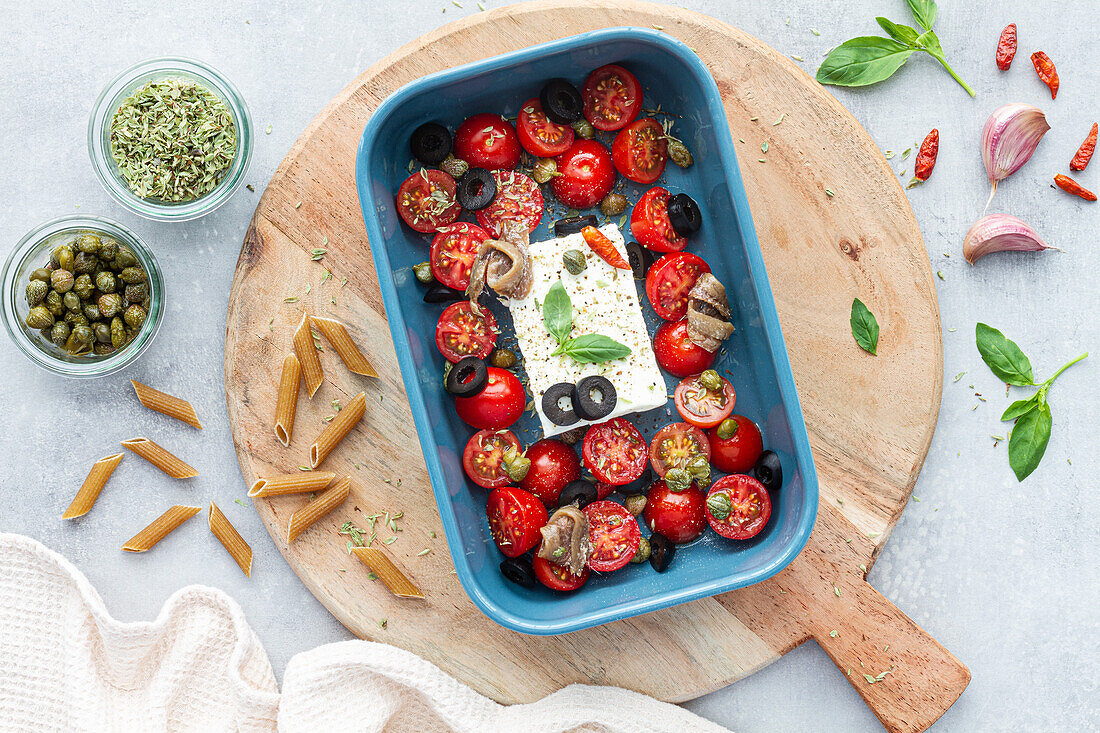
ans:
(674, 78)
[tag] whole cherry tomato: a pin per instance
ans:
(681, 517)
(676, 353)
(585, 174)
(497, 406)
(738, 452)
(553, 465)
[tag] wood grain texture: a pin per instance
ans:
(870, 418)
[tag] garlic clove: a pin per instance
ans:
(1001, 233)
(1009, 138)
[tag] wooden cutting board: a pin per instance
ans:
(870, 418)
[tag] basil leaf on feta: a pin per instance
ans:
(557, 312)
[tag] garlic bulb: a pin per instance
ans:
(1009, 138)
(1000, 233)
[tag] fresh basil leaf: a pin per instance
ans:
(924, 11)
(1021, 407)
(592, 348)
(862, 61)
(1003, 356)
(557, 312)
(903, 33)
(1028, 441)
(864, 327)
(930, 42)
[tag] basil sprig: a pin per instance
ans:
(871, 59)
(1031, 433)
(864, 327)
(591, 348)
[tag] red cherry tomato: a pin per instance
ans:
(538, 135)
(515, 518)
(585, 174)
(681, 517)
(702, 407)
(676, 353)
(453, 252)
(487, 141)
(750, 507)
(650, 225)
(614, 534)
(675, 445)
(669, 281)
(518, 197)
(463, 332)
(612, 97)
(426, 200)
(556, 577)
(497, 406)
(737, 453)
(640, 150)
(553, 465)
(614, 451)
(483, 457)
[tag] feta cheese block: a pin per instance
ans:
(605, 301)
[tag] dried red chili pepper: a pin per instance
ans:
(1006, 47)
(926, 158)
(1044, 67)
(1069, 185)
(1084, 153)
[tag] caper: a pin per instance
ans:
(62, 281)
(727, 428)
(544, 169)
(677, 480)
(574, 261)
(102, 333)
(138, 293)
(613, 204)
(642, 554)
(134, 316)
(101, 349)
(584, 129)
(86, 264)
(76, 318)
(699, 468)
(91, 312)
(83, 286)
(36, 292)
(110, 304)
(80, 340)
(62, 258)
(711, 380)
(132, 275)
(635, 503)
(59, 333)
(456, 167)
(516, 465)
(125, 257)
(71, 301)
(42, 273)
(88, 243)
(679, 154)
(502, 358)
(719, 505)
(54, 304)
(106, 282)
(572, 437)
(39, 317)
(108, 248)
(423, 272)
(118, 333)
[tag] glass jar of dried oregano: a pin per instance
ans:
(170, 138)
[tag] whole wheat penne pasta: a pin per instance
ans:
(307, 356)
(160, 528)
(160, 458)
(93, 484)
(382, 566)
(231, 539)
(335, 431)
(166, 404)
(287, 405)
(290, 483)
(321, 505)
(336, 333)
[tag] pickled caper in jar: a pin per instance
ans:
(105, 282)
(43, 274)
(71, 301)
(103, 349)
(86, 264)
(80, 340)
(83, 286)
(60, 333)
(36, 292)
(102, 332)
(62, 258)
(53, 304)
(108, 249)
(61, 281)
(118, 333)
(110, 304)
(39, 317)
(91, 312)
(125, 257)
(132, 275)
(75, 318)
(88, 243)
(137, 293)
(134, 316)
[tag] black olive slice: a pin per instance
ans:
(519, 571)
(561, 102)
(581, 493)
(640, 258)
(661, 551)
(573, 224)
(553, 411)
(585, 394)
(467, 377)
(442, 294)
(476, 189)
(430, 143)
(769, 471)
(684, 214)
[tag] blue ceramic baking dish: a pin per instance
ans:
(676, 80)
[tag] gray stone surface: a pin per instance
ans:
(1004, 574)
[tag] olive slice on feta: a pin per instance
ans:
(594, 397)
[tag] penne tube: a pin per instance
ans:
(93, 484)
(287, 404)
(231, 539)
(382, 566)
(166, 404)
(321, 505)
(160, 458)
(336, 430)
(290, 483)
(306, 351)
(336, 333)
(160, 528)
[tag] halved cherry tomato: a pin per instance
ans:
(702, 407)
(497, 406)
(556, 577)
(676, 444)
(515, 518)
(518, 197)
(669, 281)
(750, 507)
(599, 243)
(678, 516)
(614, 451)
(737, 453)
(487, 141)
(676, 353)
(538, 135)
(585, 174)
(483, 457)
(650, 225)
(614, 534)
(426, 200)
(453, 252)
(553, 465)
(463, 332)
(640, 150)
(612, 97)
